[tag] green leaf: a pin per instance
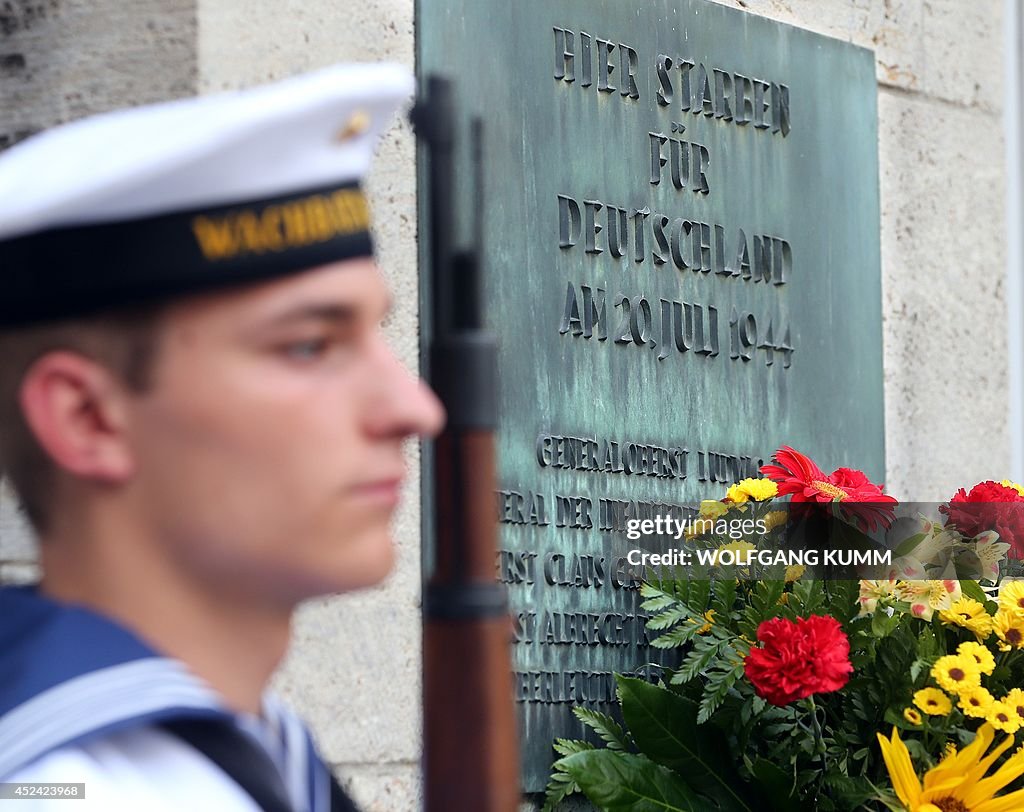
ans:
(623, 782)
(656, 598)
(719, 683)
(882, 625)
(764, 604)
(567, 747)
(605, 727)
(775, 786)
(908, 544)
(697, 659)
(972, 589)
(560, 786)
(699, 593)
(724, 598)
(670, 617)
(679, 636)
(664, 726)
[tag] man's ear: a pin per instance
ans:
(77, 411)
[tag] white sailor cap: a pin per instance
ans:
(189, 196)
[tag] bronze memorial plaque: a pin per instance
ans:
(680, 224)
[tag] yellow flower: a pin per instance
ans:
(976, 702)
(736, 494)
(774, 518)
(982, 656)
(958, 782)
(713, 509)
(1009, 627)
(794, 571)
(1015, 699)
(933, 702)
(950, 750)
(1011, 597)
(1002, 717)
(1015, 485)
(709, 617)
(956, 673)
(970, 614)
(710, 510)
(741, 548)
(912, 715)
(756, 489)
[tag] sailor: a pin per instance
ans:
(204, 425)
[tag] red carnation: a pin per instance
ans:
(810, 656)
(989, 506)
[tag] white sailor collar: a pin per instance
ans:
(67, 675)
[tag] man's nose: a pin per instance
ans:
(404, 405)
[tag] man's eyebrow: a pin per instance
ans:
(337, 313)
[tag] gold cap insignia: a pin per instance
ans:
(357, 124)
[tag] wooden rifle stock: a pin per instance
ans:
(471, 751)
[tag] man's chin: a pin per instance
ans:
(364, 566)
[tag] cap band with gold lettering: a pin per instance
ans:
(112, 211)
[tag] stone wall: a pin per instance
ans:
(354, 668)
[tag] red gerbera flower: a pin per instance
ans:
(797, 475)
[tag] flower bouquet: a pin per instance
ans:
(793, 692)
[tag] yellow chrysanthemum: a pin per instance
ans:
(982, 656)
(1015, 699)
(773, 519)
(933, 702)
(912, 715)
(1006, 483)
(756, 489)
(1002, 717)
(956, 673)
(794, 571)
(1011, 597)
(970, 614)
(713, 509)
(976, 702)
(1009, 627)
(958, 783)
(736, 494)
(742, 549)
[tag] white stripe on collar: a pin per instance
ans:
(94, 701)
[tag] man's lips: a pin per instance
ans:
(384, 491)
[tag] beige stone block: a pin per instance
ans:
(63, 59)
(17, 540)
(963, 49)
(947, 49)
(243, 42)
(944, 309)
(353, 673)
(388, 788)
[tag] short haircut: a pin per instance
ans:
(125, 341)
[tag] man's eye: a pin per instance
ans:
(306, 350)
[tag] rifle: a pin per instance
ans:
(470, 744)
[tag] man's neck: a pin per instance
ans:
(232, 643)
